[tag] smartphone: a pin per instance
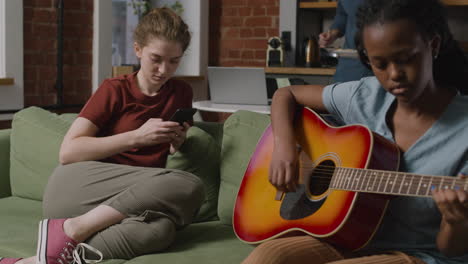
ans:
(183, 115)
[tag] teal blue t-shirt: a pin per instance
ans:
(410, 224)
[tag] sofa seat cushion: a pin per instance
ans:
(19, 222)
(242, 130)
(207, 243)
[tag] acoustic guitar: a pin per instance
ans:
(346, 177)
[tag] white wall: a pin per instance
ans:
(102, 42)
(11, 54)
(195, 15)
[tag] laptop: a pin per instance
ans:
(237, 85)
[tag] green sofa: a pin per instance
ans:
(29, 153)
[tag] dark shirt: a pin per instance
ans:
(345, 21)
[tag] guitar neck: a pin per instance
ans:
(394, 183)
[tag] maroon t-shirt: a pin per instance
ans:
(119, 106)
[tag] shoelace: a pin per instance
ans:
(78, 255)
(80, 252)
(66, 256)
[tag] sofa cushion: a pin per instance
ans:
(35, 141)
(18, 234)
(200, 155)
(242, 130)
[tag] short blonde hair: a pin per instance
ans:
(162, 23)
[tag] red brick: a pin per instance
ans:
(47, 72)
(231, 22)
(259, 11)
(28, 3)
(260, 54)
(232, 44)
(231, 33)
(234, 54)
(84, 59)
(258, 22)
(50, 86)
(73, 4)
(27, 14)
(44, 3)
(30, 73)
(245, 11)
(260, 32)
(273, 11)
(44, 31)
(49, 99)
(256, 43)
(273, 32)
(86, 44)
(30, 100)
(230, 11)
(234, 2)
(264, 2)
(230, 63)
(44, 16)
(247, 54)
(246, 33)
(88, 5)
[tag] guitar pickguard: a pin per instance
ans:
(296, 205)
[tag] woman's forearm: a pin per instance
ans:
(95, 148)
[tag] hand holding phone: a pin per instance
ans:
(183, 115)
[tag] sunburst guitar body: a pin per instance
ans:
(346, 178)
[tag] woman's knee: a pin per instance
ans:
(134, 237)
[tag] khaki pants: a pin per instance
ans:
(309, 250)
(157, 202)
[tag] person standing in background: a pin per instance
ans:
(344, 24)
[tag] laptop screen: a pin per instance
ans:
(237, 85)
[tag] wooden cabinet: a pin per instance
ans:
(319, 8)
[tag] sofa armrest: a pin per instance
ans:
(5, 189)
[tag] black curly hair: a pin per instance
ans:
(451, 66)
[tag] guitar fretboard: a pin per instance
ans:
(395, 183)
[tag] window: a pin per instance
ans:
(11, 54)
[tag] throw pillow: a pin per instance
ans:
(242, 130)
(199, 155)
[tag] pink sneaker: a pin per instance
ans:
(9, 260)
(53, 245)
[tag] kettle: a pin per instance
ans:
(311, 51)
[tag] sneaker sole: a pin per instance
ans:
(42, 242)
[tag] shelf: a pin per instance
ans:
(318, 5)
(7, 81)
(300, 71)
(455, 2)
(331, 5)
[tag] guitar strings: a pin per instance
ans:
(415, 180)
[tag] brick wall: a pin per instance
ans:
(240, 29)
(40, 51)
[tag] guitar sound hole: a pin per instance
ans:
(319, 180)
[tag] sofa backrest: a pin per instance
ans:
(241, 132)
(35, 140)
